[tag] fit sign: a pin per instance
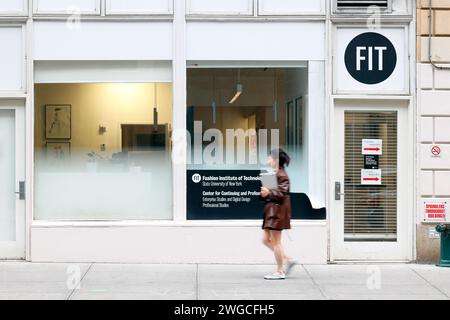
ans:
(370, 61)
(370, 58)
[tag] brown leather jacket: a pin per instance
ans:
(277, 210)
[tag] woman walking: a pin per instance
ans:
(277, 214)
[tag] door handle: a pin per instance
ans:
(21, 191)
(337, 191)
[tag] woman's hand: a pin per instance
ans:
(265, 192)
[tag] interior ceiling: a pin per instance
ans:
(233, 72)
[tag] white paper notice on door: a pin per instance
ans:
(372, 147)
(371, 177)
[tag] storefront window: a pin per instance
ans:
(235, 116)
(103, 151)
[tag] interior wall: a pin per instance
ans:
(297, 86)
(258, 94)
(107, 104)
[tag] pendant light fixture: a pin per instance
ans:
(275, 97)
(239, 88)
(155, 108)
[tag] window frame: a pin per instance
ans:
(37, 12)
(22, 13)
(168, 12)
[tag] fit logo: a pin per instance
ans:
(196, 178)
(370, 58)
(362, 57)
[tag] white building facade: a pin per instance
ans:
(96, 97)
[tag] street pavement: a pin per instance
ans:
(57, 281)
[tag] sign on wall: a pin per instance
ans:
(435, 210)
(371, 61)
(234, 195)
(436, 151)
(370, 58)
(371, 177)
(372, 147)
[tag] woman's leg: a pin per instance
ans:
(275, 237)
(267, 241)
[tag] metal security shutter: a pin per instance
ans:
(361, 4)
(370, 212)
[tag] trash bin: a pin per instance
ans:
(444, 230)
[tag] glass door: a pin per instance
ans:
(371, 215)
(12, 185)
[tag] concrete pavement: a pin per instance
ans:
(22, 280)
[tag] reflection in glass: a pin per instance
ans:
(268, 113)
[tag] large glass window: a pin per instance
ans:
(235, 116)
(103, 151)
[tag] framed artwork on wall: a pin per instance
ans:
(57, 150)
(58, 121)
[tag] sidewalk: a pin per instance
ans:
(21, 280)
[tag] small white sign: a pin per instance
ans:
(372, 147)
(433, 234)
(435, 210)
(371, 177)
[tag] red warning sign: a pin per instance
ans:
(435, 210)
(436, 151)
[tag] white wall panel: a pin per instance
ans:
(290, 7)
(66, 6)
(102, 71)
(139, 7)
(255, 41)
(161, 244)
(13, 7)
(228, 7)
(12, 58)
(434, 103)
(101, 40)
(430, 162)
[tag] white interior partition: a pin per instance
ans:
(102, 71)
(316, 133)
(139, 7)
(220, 7)
(12, 58)
(103, 40)
(66, 6)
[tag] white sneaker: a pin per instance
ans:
(290, 265)
(275, 276)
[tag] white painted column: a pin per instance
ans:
(316, 133)
(179, 110)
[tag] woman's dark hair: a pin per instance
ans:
(282, 156)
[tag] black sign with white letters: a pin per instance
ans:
(234, 195)
(370, 58)
(371, 162)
